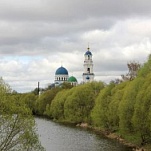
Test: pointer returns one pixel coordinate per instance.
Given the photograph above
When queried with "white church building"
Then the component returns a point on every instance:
(61, 74)
(88, 75)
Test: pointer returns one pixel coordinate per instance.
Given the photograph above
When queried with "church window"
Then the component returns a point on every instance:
(88, 70)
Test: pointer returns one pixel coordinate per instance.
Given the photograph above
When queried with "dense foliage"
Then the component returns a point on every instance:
(72, 104)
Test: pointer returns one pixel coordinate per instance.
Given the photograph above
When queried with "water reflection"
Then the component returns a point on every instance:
(56, 137)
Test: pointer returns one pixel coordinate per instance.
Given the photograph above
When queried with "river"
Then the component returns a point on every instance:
(59, 137)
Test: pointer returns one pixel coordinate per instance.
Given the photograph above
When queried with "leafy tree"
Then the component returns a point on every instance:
(17, 127)
(56, 109)
(126, 107)
(18, 133)
(66, 85)
(146, 68)
(141, 119)
(30, 100)
(100, 111)
(44, 99)
(113, 112)
(79, 104)
(96, 87)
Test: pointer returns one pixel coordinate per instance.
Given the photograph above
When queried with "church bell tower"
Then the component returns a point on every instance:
(88, 75)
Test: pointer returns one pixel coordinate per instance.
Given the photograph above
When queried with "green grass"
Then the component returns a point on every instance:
(131, 137)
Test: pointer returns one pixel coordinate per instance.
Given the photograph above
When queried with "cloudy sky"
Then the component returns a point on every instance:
(37, 36)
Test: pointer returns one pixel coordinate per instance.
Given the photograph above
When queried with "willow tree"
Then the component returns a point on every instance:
(113, 108)
(141, 118)
(45, 99)
(56, 109)
(146, 68)
(78, 105)
(30, 100)
(126, 107)
(17, 126)
(100, 111)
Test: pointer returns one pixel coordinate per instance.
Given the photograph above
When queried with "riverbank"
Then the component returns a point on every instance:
(115, 136)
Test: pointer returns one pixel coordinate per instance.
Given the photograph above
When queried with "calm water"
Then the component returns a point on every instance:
(56, 137)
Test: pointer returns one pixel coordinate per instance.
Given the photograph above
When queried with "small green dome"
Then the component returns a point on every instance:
(72, 79)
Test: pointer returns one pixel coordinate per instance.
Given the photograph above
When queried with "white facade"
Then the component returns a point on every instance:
(61, 78)
(88, 75)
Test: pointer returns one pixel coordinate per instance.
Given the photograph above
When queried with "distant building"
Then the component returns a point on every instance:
(88, 75)
(61, 74)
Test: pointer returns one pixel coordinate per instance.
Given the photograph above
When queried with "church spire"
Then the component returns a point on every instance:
(88, 74)
(88, 47)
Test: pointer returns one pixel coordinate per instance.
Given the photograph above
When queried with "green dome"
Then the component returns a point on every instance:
(72, 79)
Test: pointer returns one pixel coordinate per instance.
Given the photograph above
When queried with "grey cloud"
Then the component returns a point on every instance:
(111, 65)
(42, 36)
(67, 10)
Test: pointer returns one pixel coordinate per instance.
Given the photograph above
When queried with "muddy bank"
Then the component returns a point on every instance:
(113, 136)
